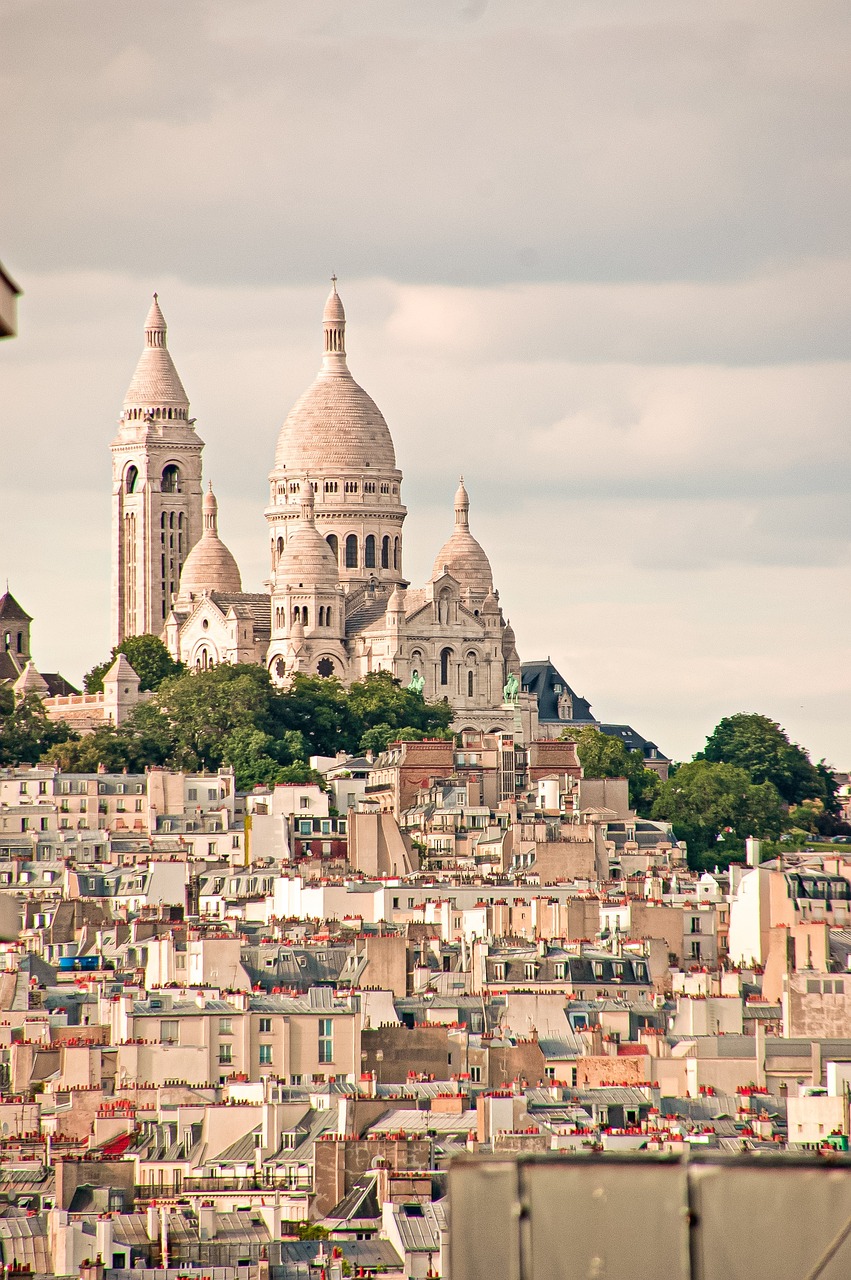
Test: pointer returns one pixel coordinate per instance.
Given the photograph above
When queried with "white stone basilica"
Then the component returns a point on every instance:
(338, 602)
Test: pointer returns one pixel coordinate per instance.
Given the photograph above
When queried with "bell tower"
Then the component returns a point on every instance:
(156, 489)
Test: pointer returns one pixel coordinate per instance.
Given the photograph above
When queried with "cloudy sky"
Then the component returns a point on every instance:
(594, 254)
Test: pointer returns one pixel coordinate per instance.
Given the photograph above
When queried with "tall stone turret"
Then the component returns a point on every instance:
(156, 489)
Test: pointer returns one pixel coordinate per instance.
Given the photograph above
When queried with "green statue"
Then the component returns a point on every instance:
(417, 682)
(511, 692)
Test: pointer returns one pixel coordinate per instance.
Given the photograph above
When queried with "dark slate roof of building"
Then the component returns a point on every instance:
(540, 678)
(9, 668)
(633, 741)
(11, 611)
(57, 685)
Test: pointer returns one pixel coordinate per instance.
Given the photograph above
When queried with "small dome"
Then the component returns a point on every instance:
(307, 559)
(491, 604)
(462, 555)
(465, 559)
(209, 565)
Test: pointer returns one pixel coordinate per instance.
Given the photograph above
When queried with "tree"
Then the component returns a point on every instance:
(202, 709)
(707, 801)
(142, 741)
(256, 760)
(760, 747)
(371, 713)
(26, 732)
(148, 657)
(604, 756)
(318, 708)
(379, 699)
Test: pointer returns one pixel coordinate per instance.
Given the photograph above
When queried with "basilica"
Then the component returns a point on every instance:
(337, 601)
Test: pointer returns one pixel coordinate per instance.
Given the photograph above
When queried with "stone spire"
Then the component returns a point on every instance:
(156, 385)
(462, 507)
(211, 511)
(155, 326)
(334, 331)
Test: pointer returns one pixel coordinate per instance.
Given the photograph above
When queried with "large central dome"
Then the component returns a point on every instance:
(335, 425)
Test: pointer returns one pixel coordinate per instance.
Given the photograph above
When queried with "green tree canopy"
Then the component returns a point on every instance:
(203, 709)
(705, 800)
(148, 657)
(26, 732)
(604, 756)
(760, 747)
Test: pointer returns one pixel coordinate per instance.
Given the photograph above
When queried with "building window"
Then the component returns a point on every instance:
(445, 655)
(385, 553)
(225, 1055)
(695, 950)
(265, 1055)
(475, 1075)
(333, 544)
(225, 1026)
(351, 551)
(326, 1040)
(169, 1031)
(304, 802)
(369, 552)
(265, 1026)
(130, 478)
(170, 482)
(531, 971)
(469, 684)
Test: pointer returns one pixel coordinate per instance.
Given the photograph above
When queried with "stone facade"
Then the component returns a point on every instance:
(338, 601)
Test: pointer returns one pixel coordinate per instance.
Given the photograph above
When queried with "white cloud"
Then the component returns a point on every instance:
(595, 255)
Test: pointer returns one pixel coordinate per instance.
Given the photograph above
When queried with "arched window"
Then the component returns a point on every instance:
(395, 553)
(280, 547)
(369, 552)
(304, 616)
(131, 475)
(385, 553)
(296, 614)
(170, 482)
(322, 615)
(469, 684)
(352, 551)
(328, 615)
(445, 655)
(334, 545)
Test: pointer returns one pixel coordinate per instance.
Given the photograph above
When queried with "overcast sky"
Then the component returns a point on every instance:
(595, 255)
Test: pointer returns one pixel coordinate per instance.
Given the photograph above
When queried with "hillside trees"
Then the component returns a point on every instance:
(604, 756)
(148, 657)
